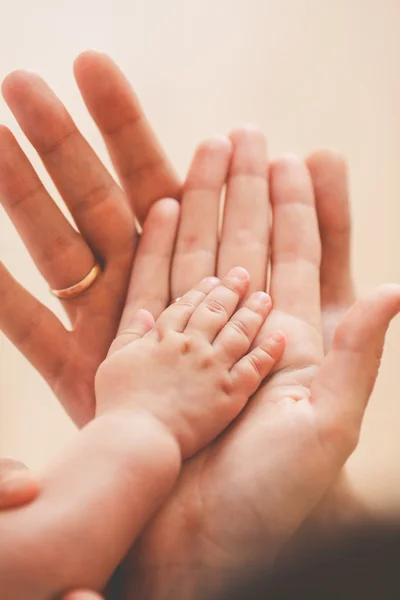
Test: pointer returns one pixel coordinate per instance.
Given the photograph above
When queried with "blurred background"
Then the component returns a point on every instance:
(310, 73)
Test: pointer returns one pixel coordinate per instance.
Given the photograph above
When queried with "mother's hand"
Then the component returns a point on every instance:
(248, 492)
(103, 212)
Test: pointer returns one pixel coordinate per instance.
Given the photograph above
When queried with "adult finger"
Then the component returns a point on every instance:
(143, 168)
(94, 199)
(59, 252)
(344, 383)
(150, 278)
(296, 245)
(197, 243)
(330, 182)
(246, 222)
(32, 328)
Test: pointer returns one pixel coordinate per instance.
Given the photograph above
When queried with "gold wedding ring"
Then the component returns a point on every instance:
(76, 290)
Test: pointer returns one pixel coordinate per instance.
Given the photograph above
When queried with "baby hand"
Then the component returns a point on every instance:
(18, 485)
(189, 370)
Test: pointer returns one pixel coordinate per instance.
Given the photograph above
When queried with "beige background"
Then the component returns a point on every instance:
(311, 73)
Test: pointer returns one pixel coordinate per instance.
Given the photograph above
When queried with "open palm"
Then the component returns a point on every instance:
(246, 494)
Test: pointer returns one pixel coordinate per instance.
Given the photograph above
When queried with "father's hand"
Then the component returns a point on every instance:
(103, 212)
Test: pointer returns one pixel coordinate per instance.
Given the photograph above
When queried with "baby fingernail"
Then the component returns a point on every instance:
(262, 298)
(239, 273)
(277, 337)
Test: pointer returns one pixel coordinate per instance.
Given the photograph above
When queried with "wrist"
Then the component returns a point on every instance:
(140, 439)
(342, 508)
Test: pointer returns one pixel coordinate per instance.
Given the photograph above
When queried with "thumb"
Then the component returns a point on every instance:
(141, 323)
(345, 381)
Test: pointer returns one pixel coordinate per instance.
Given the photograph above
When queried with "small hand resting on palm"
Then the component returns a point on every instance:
(188, 370)
(166, 389)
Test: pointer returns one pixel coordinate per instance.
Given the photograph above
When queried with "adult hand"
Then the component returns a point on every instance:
(246, 494)
(341, 506)
(103, 213)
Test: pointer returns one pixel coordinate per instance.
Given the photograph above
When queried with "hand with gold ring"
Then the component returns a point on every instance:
(241, 161)
(88, 269)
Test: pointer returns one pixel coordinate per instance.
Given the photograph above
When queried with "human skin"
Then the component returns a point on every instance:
(19, 486)
(284, 453)
(165, 391)
(244, 156)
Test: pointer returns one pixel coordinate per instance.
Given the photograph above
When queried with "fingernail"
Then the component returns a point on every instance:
(277, 337)
(239, 273)
(212, 281)
(262, 298)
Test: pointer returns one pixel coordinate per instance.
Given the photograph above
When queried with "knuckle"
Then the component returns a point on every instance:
(186, 302)
(24, 201)
(161, 332)
(266, 354)
(206, 362)
(214, 306)
(95, 197)
(256, 364)
(62, 246)
(57, 143)
(32, 326)
(341, 433)
(226, 384)
(240, 328)
(185, 345)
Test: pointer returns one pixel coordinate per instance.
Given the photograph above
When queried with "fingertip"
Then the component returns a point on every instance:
(209, 283)
(245, 133)
(326, 161)
(162, 217)
(91, 63)
(7, 137)
(145, 318)
(209, 167)
(278, 337)
(167, 207)
(18, 81)
(389, 290)
(220, 144)
(275, 345)
(239, 273)
(18, 488)
(261, 299)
